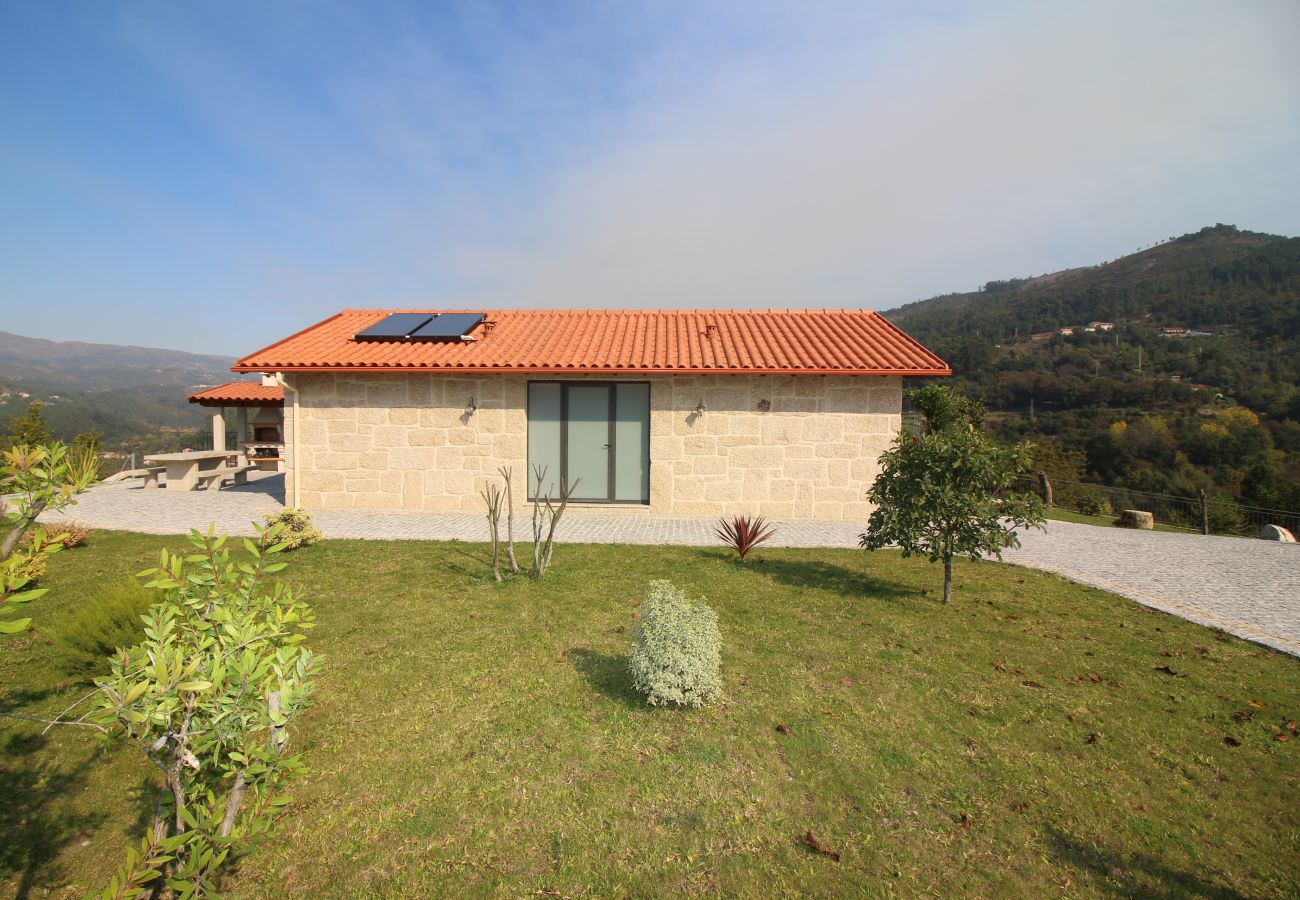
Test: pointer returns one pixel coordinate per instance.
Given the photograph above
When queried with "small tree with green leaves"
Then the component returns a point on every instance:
(945, 493)
(37, 479)
(207, 697)
(30, 429)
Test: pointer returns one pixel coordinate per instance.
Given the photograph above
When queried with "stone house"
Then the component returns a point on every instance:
(780, 413)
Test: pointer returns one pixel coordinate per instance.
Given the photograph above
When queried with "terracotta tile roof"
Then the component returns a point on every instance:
(791, 342)
(240, 393)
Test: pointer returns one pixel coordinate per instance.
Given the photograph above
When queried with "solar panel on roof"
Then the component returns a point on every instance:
(394, 327)
(447, 327)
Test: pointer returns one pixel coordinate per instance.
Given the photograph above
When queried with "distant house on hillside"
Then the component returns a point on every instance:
(1040, 336)
(1065, 332)
(1101, 326)
(1173, 331)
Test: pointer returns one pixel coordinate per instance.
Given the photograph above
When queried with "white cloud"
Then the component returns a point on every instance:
(945, 156)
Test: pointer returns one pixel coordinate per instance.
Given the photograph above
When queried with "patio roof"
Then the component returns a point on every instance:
(240, 393)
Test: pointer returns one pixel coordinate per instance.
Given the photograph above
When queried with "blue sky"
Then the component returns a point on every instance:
(213, 176)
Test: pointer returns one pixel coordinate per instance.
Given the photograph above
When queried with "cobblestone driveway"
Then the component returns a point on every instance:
(1250, 588)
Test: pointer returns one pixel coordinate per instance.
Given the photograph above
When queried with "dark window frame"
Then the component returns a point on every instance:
(612, 416)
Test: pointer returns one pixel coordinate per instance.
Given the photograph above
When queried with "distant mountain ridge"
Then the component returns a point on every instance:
(123, 391)
(85, 365)
(1219, 276)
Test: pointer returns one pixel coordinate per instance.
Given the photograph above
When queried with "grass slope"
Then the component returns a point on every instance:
(474, 738)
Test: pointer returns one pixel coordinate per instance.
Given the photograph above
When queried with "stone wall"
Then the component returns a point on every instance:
(783, 446)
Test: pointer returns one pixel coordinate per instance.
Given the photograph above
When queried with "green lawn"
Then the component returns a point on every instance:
(473, 738)
(1069, 515)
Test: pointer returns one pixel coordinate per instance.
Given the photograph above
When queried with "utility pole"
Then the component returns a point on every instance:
(1031, 409)
(1139, 359)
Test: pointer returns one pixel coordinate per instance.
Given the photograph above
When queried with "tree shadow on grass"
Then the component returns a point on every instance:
(34, 831)
(815, 574)
(13, 701)
(607, 674)
(1107, 866)
(482, 560)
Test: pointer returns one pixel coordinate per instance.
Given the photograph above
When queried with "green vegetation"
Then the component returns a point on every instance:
(107, 619)
(1142, 410)
(949, 491)
(34, 479)
(208, 698)
(293, 528)
(676, 653)
(474, 738)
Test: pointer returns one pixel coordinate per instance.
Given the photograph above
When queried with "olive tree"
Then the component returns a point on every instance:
(947, 492)
(207, 697)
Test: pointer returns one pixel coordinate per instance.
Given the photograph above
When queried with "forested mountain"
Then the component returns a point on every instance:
(1172, 369)
(127, 393)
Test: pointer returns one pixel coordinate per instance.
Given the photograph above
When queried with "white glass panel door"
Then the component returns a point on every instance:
(544, 438)
(632, 443)
(588, 441)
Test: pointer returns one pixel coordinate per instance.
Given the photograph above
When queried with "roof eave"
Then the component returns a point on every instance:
(590, 370)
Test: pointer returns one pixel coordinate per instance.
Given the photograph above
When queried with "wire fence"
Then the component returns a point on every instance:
(1208, 515)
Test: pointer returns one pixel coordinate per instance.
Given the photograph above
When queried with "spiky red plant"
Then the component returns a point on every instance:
(744, 533)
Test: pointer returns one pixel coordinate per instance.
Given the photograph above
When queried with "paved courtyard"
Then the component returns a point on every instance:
(1250, 588)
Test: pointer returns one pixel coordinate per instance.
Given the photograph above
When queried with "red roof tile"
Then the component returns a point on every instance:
(791, 342)
(240, 393)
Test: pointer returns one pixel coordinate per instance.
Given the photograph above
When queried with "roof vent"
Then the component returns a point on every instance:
(401, 327)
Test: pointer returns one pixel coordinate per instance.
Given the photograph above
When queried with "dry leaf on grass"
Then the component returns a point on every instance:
(818, 847)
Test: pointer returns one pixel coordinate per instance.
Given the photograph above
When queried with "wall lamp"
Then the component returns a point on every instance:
(470, 407)
(701, 409)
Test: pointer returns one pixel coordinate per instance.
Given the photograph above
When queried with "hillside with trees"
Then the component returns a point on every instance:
(133, 397)
(1173, 369)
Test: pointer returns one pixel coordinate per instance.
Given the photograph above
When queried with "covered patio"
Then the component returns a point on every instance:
(259, 420)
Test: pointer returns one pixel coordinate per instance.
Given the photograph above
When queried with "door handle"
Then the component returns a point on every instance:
(607, 446)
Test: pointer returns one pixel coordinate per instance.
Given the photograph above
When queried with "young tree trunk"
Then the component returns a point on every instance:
(16, 533)
(947, 579)
(233, 802)
(507, 473)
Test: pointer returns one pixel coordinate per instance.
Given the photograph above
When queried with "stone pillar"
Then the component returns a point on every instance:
(218, 429)
(241, 432)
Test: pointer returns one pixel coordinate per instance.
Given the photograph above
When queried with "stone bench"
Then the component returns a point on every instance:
(148, 475)
(207, 479)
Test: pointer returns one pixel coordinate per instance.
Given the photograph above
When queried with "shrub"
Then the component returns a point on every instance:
(108, 620)
(33, 568)
(743, 533)
(69, 534)
(293, 528)
(676, 652)
(1094, 503)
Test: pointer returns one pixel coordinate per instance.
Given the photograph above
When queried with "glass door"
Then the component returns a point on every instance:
(589, 441)
(594, 433)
